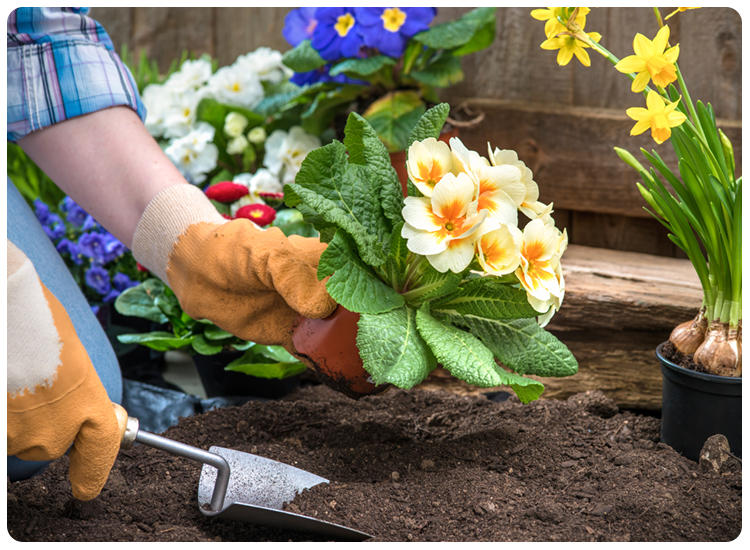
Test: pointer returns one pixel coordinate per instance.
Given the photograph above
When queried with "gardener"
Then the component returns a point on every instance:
(74, 109)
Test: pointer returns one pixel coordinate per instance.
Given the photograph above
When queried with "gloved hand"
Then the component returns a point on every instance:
(55, 397)
(246, 280)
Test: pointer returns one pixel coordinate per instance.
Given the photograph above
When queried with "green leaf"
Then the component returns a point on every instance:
(211, 111)
(444, 71)
(459, 32)
(353, 284)
(203, 346)
(356, 68)
(481, 40)
(469, 359)
(432, 284)
(392, 350)
(213, 332)
(431, 123)
(293, 95)
(483, 297)
(303, 58)
(394, 116)
(139, 301)
(291, 222)
(158, 340)
(326, 105)
(522, 345)
(277, 353)
(395, 266)
(249, 364)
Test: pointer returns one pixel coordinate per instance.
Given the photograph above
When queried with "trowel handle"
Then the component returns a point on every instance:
(131, 434)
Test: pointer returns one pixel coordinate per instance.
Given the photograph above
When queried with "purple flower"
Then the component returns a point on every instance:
(337, 33)
(111, 297)
(90, 224)
(54, 226)
(299, 25)
(322, 75)
(389, 29)
(41, 211)
(66, 246)
(112, 247)
(94, 310)
(75, 215)
(98, 278)
(93, 245)
(122, 282)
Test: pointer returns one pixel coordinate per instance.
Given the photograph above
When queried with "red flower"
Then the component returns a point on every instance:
(227, 217)
(271, 196)
(226, 191)
(261, 214)
(141, 267)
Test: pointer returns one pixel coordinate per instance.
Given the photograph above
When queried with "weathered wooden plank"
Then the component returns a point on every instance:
(571, 151)
(242, 30)
(118, 22)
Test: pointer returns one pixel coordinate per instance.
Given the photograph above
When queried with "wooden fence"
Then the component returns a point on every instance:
(563, 121)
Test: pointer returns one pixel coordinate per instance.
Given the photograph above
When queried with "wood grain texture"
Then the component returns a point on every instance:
(242, 30)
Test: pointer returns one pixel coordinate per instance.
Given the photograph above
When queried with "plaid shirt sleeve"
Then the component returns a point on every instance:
(61, 64)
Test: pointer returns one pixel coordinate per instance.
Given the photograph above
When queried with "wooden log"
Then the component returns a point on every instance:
(618, 307)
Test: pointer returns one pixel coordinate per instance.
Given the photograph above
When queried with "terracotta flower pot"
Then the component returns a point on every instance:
(331, 345)
(398, 159)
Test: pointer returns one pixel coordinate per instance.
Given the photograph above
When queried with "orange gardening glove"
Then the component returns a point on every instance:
(246, 280)
(55, 397)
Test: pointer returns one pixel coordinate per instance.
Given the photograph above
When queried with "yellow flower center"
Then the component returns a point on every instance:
(344, 24)
(236, 87)
(393, 19)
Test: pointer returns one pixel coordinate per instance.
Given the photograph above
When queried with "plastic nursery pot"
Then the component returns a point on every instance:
(331, 345)
(398, 159)
(226, 383)
(696, 406)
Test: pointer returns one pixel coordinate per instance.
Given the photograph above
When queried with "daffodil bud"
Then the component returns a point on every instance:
(629, 159)
(257, 135)
(235, 124)
(649, 199)
(726, 146)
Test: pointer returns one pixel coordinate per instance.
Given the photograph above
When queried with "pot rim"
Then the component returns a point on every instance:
(703, 377)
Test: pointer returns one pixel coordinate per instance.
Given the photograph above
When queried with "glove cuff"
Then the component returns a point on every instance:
(165, 219)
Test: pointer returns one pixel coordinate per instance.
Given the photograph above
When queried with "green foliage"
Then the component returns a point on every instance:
(303, 58)
(393, 117)
(468, 31)
(266, 362)
(30, 180)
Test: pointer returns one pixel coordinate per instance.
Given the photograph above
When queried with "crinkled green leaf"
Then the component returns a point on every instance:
(431, 123)
(353, 284)
(326, 105)
(356, 67)
(469, 359)
(392, 350)
(433, 284)
(158, 340)
(459, 32)
(395, 265)
(303, 58)
(522, 345)
(394, 116)
(139, 301)
(487, 298)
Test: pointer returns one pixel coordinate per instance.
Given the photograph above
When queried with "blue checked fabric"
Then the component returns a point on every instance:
(61, 64)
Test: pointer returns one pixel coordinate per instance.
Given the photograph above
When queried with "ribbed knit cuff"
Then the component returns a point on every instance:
(166, 217)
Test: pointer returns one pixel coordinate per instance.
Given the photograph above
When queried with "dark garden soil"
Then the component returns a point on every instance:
(412, 466)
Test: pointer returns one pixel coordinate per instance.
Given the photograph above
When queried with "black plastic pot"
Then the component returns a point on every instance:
(696, 406)
(222, 383)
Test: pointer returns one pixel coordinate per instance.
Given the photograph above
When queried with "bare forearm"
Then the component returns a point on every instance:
(108, 163)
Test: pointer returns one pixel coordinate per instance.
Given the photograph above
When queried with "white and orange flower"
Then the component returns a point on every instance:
(427, 162)
(498, 248)
(541, 249)
(530, 204)
(442, 227)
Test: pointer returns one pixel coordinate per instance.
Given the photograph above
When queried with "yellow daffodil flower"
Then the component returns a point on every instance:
(540, 252)
(499, 188)
(497, 247)
(442, 227)
(570, 46)
(428, 161)
(661, 117)
(678, 10)
(651, 61)
(552, 16)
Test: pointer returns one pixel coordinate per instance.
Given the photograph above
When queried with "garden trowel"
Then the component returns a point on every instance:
(242, 486)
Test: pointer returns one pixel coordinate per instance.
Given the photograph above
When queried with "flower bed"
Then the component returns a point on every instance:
(412, 466)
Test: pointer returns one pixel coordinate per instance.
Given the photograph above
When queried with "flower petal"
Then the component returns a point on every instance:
(631, 64)
(642, 46)
(455, 258)
(418, 213)
(424, 242)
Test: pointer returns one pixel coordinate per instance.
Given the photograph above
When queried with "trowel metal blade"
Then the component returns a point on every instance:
(258, 488)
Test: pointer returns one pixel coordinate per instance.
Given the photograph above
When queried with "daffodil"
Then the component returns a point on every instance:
(497, 247)
(499, 188)
(554, 18)
(441, 227)
(428, 161)
(660, 117)
(540, 253)
(570, 46)
(652, 61)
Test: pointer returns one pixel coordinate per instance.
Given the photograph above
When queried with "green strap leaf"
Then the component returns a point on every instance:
(469, 359)
(392, 350)
(486, 298)
(353, 284)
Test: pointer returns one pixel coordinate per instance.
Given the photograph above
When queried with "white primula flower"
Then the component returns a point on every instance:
(428, 161)
(444, 227)
(257, 135)
(262, 181)
(285, 152)
(266, 63)
(179, 118)
(193, 74)
(541, 249)
(234, 124)
(530, 206)
(498, 247)
(234, 85)
(157, 99)
(194, 155)
(237, 145)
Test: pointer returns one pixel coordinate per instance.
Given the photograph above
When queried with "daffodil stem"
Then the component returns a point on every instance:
(689, 101)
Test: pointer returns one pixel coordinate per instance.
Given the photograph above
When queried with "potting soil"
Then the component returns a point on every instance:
(411, 466)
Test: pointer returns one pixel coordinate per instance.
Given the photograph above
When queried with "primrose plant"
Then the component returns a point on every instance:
(443, 276)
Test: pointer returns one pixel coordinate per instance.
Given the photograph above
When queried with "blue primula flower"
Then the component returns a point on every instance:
(122, 282)
(336, 34)
(54, 226)
(66, 246)
(93, 245)
(75, 215)
(113, 248)
(41, 211)
(322, 75)
(299, 25)
(389, 29)
(90, 224)
(98, 278)
(111, 296)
